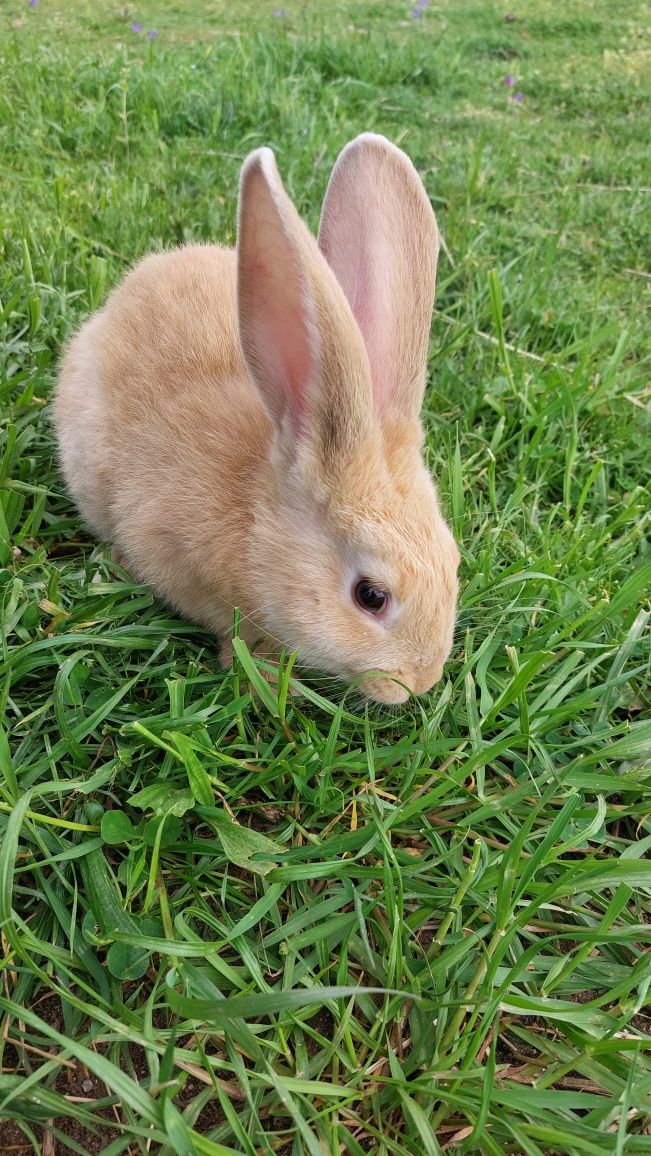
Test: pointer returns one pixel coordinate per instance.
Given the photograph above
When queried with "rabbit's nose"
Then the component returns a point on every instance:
(424, 680)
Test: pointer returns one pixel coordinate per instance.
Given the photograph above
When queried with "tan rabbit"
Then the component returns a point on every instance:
(244, 427)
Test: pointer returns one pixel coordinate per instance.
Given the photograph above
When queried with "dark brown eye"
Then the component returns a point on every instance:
(370, 596)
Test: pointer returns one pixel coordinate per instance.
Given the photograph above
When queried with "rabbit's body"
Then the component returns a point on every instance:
(244, 427)
(164, 440)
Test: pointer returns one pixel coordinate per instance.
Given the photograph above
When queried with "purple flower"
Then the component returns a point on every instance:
(32, 3)
(418, 9)
(152, 34)
(509, 80)
(518, 96)
(136, 26)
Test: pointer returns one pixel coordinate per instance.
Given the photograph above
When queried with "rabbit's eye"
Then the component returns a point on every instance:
(370, 596)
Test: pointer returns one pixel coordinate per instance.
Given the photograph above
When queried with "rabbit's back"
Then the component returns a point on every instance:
(172, 321)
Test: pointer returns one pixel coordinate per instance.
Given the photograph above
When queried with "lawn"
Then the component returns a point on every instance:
(235, 920)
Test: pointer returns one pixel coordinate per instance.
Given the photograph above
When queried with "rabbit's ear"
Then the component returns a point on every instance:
(378, 233)
(276, 313)
(296, 329)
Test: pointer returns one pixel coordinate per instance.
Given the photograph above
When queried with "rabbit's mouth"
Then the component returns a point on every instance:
(386, 689)
(394, 689)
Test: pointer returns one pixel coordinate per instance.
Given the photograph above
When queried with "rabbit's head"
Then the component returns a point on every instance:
(351, 561)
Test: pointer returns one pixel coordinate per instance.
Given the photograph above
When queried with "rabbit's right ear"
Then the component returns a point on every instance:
(378, 233)
(296, 329)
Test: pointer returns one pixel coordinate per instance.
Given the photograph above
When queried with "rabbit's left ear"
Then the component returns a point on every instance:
(298, 336)
(378, 233)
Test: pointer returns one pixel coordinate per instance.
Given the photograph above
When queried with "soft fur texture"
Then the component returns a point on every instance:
(244, 427)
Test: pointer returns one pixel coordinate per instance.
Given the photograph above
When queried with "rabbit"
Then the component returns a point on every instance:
(244, 427)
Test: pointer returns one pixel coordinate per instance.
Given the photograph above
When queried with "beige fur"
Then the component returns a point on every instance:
(228, 424)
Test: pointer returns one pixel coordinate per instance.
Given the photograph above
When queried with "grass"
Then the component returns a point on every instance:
(239, 922)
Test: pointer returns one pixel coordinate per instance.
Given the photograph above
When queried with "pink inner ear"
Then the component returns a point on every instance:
(366, 278)
(280, 333)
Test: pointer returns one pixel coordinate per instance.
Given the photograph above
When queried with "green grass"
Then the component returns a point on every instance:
(171, 981)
